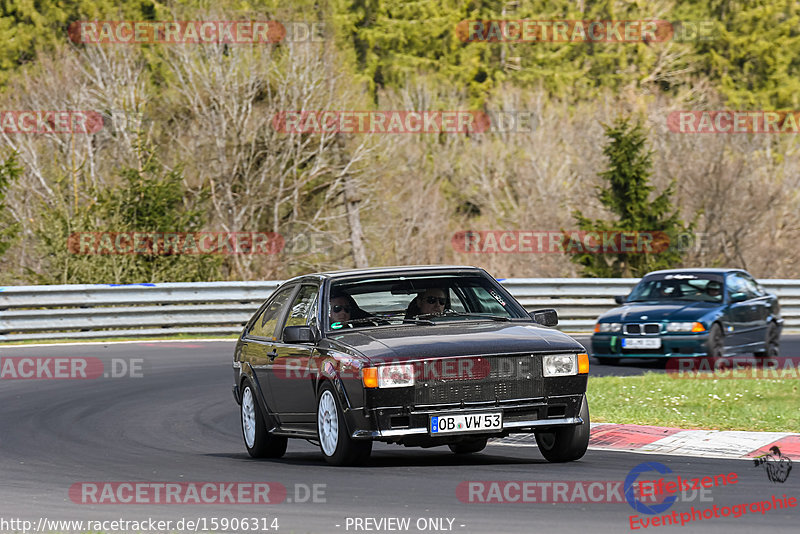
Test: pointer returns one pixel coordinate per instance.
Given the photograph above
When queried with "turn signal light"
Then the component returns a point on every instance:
(369, 377)
(583, 364)
(698, 327)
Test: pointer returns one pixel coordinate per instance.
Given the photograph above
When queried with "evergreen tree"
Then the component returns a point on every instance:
(9, 172)
(628, 196)
(150, 199)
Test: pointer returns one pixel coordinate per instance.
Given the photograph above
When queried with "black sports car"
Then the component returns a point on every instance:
(418, 356)
(690, 312)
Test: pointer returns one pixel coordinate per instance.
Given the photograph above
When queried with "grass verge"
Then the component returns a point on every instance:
(733, 404)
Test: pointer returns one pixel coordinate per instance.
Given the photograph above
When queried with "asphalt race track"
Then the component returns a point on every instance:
(176, 421)
(790, 347)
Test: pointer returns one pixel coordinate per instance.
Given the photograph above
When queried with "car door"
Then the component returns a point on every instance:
(259, 341)
(292, 374)
(760, 309)
(742, 315)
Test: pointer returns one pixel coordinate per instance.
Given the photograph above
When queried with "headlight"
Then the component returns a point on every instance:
(607, 327)
(396, 376)
(685, 327)
(560, 364)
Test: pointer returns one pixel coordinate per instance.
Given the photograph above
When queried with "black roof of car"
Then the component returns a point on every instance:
(415, 269)
(709, 270)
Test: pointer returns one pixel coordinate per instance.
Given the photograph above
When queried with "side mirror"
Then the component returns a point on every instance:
(738, 297)
(300, 334)
(545, 317)
(620, 299)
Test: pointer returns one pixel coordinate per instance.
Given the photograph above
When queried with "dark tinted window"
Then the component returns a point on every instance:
(301, 308)
(738, 283)
(753, 286)
(265, 325)
(395, 300)
(698, 287)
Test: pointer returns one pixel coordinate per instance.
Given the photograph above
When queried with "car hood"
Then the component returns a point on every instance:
(659, 311)
(456, 339)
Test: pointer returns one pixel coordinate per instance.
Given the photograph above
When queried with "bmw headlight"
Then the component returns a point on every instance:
(560, 364)
(607, 327)
(686, 327)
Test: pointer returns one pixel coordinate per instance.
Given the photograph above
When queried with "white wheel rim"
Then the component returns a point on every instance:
(249, 417)
(328, 423)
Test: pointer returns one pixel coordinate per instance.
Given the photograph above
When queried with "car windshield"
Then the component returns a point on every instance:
(428, 300)
(691, 287)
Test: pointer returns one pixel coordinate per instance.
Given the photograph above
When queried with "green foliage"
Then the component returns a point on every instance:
(628, 196)
(755, 56)
(27, 27)
(9, 172)
(150, 200)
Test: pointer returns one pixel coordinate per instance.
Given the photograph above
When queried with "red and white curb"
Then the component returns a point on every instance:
(679, 442)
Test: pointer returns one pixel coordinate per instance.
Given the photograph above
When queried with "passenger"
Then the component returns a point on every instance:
(434, 301)
(714, 290)
(668, 291)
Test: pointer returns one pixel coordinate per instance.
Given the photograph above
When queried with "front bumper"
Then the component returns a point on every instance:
(607, 345)
(519, 416)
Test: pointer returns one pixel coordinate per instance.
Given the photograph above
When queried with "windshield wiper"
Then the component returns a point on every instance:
(453, 313)
(416, 319)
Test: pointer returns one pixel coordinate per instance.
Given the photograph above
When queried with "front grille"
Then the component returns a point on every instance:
(491, 378)
(643, 328)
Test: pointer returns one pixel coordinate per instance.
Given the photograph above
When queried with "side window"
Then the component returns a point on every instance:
(753, 287)
(301, 308)
(265, 325)
(737, 284)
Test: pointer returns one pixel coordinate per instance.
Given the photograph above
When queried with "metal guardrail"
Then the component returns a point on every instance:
(222, 308)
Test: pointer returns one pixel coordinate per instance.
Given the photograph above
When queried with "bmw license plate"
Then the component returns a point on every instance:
(641, 343)
(468, 422)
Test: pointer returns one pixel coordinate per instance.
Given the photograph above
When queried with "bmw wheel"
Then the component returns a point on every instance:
(716, 343)
(771, 343)
(337, 446)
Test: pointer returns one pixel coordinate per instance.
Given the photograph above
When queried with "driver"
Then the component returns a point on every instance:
(343, 308)
(433, 301)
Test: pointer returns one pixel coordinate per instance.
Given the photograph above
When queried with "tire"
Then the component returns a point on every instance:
(566, 444)
(771, 343)
(259, 442)
(716, 344)
(468, 447)
(607, 361)
(336, 445)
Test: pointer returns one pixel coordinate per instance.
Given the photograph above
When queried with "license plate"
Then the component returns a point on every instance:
(643, 343)
(468, 422)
